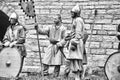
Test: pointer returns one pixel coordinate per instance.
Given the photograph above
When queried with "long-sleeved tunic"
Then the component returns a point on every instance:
(76, 46)
(16, 33)
(54, 53)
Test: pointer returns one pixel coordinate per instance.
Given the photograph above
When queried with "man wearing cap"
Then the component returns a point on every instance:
(15, 34)
(76, 44)
(54, 54)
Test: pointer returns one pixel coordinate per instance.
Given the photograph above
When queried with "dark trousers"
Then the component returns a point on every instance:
(56, 70)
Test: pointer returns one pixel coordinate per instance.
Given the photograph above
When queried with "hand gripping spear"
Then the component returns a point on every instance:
(39, 48)
(30, 11)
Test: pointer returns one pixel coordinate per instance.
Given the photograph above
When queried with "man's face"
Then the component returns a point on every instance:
(13, 21)
(56, 20)
(72, 14)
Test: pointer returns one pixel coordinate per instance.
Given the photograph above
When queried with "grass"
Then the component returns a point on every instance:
(39, 77)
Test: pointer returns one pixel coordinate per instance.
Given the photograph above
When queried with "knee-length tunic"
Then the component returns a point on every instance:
(76, 56)
(16, 33)
(54, 53)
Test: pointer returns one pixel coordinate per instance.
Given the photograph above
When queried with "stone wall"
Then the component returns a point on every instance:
(106, 21)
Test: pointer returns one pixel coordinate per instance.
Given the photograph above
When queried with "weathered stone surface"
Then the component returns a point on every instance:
(107, 45)
(44, 11)
(53, 11)
(91, 32)
(41, 18)
(112, 32)
(89, 7)
(101, 32)
(20, 12)
(87, 26)
(34, 36)
(94, 44)
(116, 21)
(96, 38)
(115, 45)
(102, 6)
(111, 51)
(107, 16)
(67, 21)
(31, 69)
(97, 60)
(34, 54)
(104, 21)
(109, 27)
(98, 27)
(109, 38)
(102, 11)
(88, 21)
(33, 42)
(98, 51)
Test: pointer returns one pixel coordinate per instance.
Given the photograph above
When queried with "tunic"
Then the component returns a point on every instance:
(16, 34)
(76, 45)
(54, 53)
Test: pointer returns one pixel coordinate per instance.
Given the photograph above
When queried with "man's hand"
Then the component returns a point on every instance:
(70, 36)
(53, 41)
(67, 38)
(12, 44)
(6, 44)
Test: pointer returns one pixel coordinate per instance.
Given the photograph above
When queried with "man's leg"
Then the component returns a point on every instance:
(56, 70)
(67, 69)
(45, 70)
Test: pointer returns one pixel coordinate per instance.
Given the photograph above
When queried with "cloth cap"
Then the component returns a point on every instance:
(14, 15)
(76, 9)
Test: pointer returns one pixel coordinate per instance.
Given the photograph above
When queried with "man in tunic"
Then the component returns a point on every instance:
(54, 54)
(76, 44)
(118, 36)
(15, 35)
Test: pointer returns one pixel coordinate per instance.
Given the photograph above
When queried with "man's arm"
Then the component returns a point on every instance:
(22, 36)
(79, 28)
(43, 31)
(63, 41)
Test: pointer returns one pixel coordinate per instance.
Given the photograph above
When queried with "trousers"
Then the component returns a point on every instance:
(56, 69)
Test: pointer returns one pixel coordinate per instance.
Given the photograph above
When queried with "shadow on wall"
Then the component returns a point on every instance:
(5, 11)
(4, 23)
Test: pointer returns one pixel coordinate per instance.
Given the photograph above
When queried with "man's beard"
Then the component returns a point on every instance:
(56, 22)
(73, 17)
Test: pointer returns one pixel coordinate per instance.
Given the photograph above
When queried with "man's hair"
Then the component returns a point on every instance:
(59, 17)
(118, 29)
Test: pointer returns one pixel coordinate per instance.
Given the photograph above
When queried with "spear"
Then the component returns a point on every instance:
(95, 13)
(39, 48)
(30, 11)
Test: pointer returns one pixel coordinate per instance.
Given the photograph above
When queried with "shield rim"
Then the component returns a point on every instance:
(21, 65)
(107, 61)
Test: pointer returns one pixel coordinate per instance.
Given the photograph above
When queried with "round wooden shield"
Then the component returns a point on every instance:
(10, 62)
(112, 66)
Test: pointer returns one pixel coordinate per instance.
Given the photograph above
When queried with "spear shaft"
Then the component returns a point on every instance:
(39, 49)
(95, 13)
